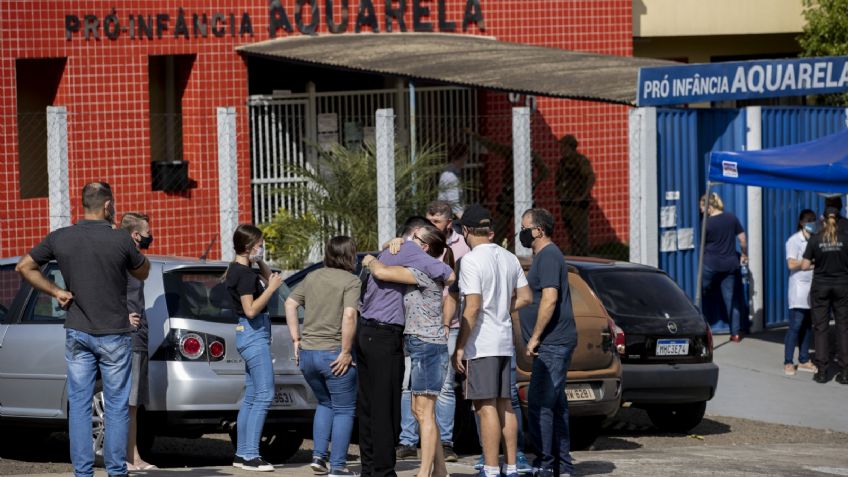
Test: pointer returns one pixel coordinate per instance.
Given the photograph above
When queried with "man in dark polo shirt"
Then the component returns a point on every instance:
(94, 259)
(547, 325)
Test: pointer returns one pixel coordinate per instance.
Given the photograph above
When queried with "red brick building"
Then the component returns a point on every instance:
(125, 71)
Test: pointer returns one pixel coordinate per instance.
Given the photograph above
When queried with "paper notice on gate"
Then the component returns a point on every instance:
(328, 123)
(668, 241)
(668, 216)
(686, 239)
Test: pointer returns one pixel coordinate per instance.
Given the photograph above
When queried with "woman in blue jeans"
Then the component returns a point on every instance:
(250, 293)
(426, 341)
(323, 350)
(722, 262)
(799, 333)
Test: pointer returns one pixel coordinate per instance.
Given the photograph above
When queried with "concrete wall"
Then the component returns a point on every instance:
(663, 18)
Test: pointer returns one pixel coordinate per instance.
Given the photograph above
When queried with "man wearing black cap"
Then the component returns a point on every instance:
(492, 285)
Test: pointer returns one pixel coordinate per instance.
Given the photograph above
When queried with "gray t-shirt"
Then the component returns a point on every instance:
(324, 294)
(135, 304)
(94, 259)
(423, 305)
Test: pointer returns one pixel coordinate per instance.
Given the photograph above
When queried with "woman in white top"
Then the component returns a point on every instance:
(799, 333)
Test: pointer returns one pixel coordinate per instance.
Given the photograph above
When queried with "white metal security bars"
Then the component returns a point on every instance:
(283, 128)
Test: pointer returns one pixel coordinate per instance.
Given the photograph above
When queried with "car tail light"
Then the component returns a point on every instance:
(191, 346)
(216, 349)
(618, 338)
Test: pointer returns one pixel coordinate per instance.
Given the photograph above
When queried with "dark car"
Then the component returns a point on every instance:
(667, 354)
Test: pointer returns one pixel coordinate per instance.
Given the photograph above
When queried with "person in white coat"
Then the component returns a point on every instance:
(799, 333)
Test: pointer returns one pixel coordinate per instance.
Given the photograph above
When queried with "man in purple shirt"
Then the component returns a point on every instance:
(379, 356)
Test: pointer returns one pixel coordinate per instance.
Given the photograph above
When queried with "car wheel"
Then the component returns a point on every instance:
(98, 425)
(584, 431)
(677, 417)
(276, 445)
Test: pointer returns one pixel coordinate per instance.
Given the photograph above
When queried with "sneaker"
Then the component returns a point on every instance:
(406, 452)
(736, 338)
(450, 455)
(318, 465)
(479, 464)
(258, 465)
(820, 377)
(842, 377)
(808, 367)
(342, 472)
(238, 461)
(523, 466)
(789, 369)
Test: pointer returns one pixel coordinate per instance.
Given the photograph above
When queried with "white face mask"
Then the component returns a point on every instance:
(259, 252)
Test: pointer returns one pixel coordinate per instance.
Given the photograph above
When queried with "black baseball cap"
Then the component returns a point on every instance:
(476, 216)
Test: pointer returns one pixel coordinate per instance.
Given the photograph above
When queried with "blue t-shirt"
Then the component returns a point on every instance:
(549, 270)
(720, 248)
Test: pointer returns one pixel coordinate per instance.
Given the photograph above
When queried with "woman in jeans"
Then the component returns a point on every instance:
(250, 293)
(323, 350)
(426, 341)
(722, 262)
(799, 333)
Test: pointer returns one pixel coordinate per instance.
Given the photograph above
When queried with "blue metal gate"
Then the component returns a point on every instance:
(685, 138)
(781, 127)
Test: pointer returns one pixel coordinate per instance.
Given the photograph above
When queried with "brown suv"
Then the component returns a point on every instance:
(594, 377)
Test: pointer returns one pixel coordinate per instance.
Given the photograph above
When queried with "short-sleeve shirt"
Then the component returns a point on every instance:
(243, 280)
(457, 244)
(423, 304)
(798, 293)
(720, 247)
(94, 259)
(324, 294)
(135, 304)
(383, 301)
(549, 270)
(494, 273)
(830, 259)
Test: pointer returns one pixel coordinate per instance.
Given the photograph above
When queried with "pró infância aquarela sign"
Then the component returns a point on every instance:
(307, 16)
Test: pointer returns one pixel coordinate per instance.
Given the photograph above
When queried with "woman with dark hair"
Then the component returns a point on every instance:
(828, 250)
(425, 340)
(250, 293)
(324, 350)
(799, 332)
(722, 262)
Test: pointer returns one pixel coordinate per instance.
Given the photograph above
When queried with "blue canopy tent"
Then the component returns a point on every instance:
(818, 166)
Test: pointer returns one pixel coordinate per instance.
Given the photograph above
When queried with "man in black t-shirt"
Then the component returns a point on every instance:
(551, 334)
(94, 259)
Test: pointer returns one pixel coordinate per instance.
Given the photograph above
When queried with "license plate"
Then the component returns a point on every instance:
(672, 347)
(283, 398)
(579, 392)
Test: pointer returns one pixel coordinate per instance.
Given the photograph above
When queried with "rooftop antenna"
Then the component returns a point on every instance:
(208, 248)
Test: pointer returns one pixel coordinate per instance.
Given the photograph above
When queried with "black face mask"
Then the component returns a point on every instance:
(145, 242)
(526, 238)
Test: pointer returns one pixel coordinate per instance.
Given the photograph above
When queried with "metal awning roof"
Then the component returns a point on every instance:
(467, 60)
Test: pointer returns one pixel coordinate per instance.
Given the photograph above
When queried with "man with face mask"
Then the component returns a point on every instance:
(94, 260)
(138, 226)
(547, 324)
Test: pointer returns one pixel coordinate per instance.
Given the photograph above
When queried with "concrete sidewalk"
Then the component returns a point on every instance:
(752, 385)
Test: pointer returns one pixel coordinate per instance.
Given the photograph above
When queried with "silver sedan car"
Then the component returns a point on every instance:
(196, 375)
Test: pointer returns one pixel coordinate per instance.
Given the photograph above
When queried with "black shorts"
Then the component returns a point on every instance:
(488, 378)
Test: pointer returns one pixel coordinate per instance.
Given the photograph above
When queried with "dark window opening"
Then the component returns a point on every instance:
(168, 77)
(37, 82)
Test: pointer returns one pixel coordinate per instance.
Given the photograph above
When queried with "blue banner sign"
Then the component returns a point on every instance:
(741, 80)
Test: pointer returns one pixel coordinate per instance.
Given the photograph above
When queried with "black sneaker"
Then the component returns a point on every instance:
(820, 376)
(342, 472)
(238, 461)
(842, 377)
(318, 465)
(258, 465)
(406, 452)
(450, 455)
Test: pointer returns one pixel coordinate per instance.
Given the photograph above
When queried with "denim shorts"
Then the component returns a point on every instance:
(429, 365)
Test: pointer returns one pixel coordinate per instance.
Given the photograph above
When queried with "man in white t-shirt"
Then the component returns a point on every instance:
(493, 286)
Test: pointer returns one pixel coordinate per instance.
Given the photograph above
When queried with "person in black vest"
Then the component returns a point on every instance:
(828, 251)
(94, 259)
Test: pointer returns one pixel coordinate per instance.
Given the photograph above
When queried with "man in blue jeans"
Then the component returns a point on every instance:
(94, 259)
(547, 324)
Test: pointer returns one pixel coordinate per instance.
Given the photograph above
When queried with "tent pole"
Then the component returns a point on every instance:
(700, 279)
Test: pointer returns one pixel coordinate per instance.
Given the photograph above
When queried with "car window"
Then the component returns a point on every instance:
(10, 282)
(201, 295)
(45, 308)
(640, 293)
